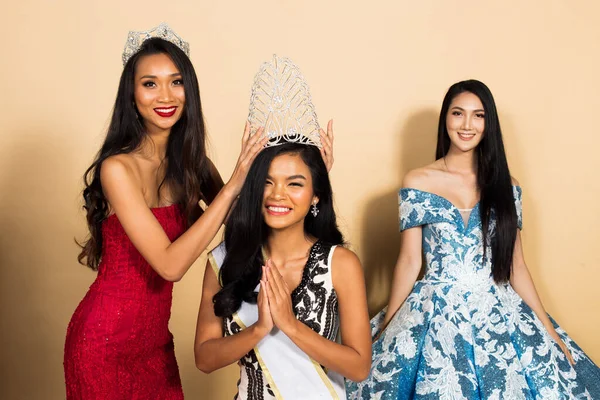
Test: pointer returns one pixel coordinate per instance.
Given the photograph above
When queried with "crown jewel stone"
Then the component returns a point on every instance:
(280, 101)
(135, 40)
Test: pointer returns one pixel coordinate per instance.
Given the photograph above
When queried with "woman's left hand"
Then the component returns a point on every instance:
(280, 300)
(327, 145)
(562, 345)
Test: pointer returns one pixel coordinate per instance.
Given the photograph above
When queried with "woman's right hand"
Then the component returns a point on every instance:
(251, 146)
(554, 335)
(265, 321)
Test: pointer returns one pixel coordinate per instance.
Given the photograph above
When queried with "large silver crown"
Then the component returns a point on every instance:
(281, 102)
(163, 31)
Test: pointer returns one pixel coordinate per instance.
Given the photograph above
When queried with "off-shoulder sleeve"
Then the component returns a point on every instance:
(421, 208)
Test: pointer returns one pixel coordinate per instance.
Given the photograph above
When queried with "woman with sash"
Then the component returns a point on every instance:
(280, 287)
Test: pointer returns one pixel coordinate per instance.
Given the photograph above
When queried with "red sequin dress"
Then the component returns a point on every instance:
(118, 342)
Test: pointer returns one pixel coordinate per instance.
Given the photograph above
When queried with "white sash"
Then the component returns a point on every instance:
(288, 370)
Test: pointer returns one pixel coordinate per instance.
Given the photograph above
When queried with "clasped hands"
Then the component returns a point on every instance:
(275, 302)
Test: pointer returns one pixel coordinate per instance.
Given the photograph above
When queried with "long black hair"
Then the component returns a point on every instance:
(493, 178)
(246, 231)
(187, 167)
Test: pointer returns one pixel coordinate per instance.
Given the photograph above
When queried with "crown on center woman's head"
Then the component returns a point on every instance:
(281, 102)
(135, 40)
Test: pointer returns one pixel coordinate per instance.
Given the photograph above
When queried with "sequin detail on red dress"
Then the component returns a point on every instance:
(118, 343)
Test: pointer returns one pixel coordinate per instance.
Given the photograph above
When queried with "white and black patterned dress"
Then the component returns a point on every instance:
(315, 304)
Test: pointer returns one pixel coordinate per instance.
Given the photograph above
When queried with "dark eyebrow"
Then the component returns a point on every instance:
(154, 76)
(290, 178)
(462, 109)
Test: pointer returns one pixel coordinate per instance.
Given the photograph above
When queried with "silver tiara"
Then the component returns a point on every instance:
(163, 31)
(281, 102)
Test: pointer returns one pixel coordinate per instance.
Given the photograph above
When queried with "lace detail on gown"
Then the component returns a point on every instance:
(459, 335)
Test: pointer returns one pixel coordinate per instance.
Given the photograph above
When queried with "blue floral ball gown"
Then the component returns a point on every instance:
(460, 335)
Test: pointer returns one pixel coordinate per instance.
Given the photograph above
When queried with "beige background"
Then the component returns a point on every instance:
(380, 70)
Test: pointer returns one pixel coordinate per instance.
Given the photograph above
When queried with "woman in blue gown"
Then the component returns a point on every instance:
(474, 327)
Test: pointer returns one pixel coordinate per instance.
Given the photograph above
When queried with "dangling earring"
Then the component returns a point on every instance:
(314, 210)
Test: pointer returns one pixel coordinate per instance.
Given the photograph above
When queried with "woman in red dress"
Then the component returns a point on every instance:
(142, 197)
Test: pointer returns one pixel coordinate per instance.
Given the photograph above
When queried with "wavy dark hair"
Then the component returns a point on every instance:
(493, 178)
(246, 231)
(187, 167)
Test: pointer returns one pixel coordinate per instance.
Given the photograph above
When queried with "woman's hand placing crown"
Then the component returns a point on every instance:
(327, 145)
(251, 146)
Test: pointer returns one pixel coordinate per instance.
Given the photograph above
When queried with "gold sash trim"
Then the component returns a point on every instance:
(238, 321)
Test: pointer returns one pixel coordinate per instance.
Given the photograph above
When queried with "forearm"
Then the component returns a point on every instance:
(340, 358)
(405, 276)
(184, 251)
(522, 283)
(214, 354)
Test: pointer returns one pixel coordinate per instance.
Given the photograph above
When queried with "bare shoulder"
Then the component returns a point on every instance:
(514, 181)
(344, 256)
(345, 268)
(415, 179)
(119, 169)
(422, 178)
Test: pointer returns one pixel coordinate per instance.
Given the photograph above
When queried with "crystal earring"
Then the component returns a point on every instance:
(314, 210)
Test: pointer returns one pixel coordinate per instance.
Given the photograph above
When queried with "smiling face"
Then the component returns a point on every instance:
(465, 121)
(288, 192)
(159, 94)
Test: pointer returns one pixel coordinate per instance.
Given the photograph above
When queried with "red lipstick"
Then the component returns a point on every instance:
(166, 112)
